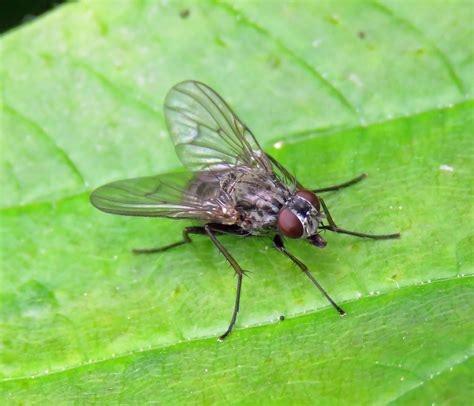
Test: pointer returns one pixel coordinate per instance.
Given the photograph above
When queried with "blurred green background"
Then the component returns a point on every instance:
(332, 89)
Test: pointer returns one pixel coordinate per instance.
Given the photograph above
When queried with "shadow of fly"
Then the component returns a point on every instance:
(231, 187)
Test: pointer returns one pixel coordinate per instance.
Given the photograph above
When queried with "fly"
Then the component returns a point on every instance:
(231, 186)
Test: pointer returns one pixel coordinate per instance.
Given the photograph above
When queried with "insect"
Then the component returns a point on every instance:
(231, 186)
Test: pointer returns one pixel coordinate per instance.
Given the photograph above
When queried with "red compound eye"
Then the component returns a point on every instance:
(310, 197)
(289, 224)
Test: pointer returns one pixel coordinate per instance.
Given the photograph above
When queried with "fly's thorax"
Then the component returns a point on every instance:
(306, 213)
(259, 198)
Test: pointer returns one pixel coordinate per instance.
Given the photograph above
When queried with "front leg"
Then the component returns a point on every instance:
(280, 246)
(334, 228)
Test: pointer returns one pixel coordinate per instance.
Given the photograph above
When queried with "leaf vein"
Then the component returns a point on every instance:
(45, 136)
(300, 60)
(440, 54)
(116, 89)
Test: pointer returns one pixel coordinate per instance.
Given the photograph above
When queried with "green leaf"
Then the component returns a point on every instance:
(331, 89)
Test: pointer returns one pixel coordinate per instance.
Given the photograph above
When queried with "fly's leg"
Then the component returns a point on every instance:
(211, 230)
(334, 228)
(239, 272)
(324, 189)
(186, 239)
(341, 185)
(278, 242)
(217, 228)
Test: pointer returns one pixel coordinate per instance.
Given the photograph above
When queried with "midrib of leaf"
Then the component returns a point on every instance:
(300, 136)
(290, 139)
(237, 329)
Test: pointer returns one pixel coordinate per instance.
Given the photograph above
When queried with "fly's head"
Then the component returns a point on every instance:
(300, 217)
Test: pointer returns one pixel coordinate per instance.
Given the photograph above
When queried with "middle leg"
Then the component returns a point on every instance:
(324, 189)
(341, 185)
(239, 272)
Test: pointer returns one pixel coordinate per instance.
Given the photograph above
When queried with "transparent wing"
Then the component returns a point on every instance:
(283, 174)
(206, 133)
(178, 195)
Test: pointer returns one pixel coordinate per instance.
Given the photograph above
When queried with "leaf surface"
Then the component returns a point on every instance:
(331, 90)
